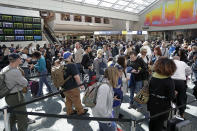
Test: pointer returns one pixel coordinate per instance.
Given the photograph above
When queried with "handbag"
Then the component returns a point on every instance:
(142, 96)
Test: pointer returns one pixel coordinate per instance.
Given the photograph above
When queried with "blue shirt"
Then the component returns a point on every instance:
(41, 65)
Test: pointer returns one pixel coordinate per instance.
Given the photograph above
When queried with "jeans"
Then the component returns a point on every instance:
(136, 88)
(107, 126)
(43, 79)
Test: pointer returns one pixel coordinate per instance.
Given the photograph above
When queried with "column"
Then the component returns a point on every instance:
(82, 18)
(102, 20)
(128, 36)
(93, 19)
(71, 17)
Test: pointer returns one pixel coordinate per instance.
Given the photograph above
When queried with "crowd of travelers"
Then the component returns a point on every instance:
(120, 66)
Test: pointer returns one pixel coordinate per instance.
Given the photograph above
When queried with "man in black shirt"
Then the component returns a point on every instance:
(140, 72)
(73, 92)
(87, 60)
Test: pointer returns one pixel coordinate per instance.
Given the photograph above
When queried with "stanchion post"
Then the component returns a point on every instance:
(133, 125)
(6, 119)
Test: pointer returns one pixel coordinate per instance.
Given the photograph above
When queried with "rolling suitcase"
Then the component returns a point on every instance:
(185, 125)
(171, 124)
(34, 86)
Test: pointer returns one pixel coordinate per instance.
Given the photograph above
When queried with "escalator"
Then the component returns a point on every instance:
(50, 35)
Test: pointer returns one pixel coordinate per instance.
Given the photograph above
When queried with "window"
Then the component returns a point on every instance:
(65, 17)
(1, 24)
(88, 19)
(77, 18)
(97, 20)
(106, 20)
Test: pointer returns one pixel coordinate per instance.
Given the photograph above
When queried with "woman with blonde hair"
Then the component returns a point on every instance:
(105, 97)
(99, 64)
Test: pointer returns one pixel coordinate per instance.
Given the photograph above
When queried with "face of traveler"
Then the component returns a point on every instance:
(77, 46)
(18, 61)
(133, 57)
(155, 52)
(89, 49)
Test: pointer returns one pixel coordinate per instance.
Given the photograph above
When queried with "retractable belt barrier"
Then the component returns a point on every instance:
(11, 109)
(162, 113)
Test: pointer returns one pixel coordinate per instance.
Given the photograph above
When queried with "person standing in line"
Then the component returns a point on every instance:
(161, 91)
(86, 60)
(25, 61)
(97, 64)
(164, 50)
(105, 97)
(41, 68)
(15, 81)
(139, 72)
(179, 77)
(73, 92)
(78, 52)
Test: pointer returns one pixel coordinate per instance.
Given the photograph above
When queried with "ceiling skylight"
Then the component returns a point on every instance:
(134, 6)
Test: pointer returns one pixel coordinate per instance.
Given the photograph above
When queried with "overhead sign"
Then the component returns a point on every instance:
(120, 32)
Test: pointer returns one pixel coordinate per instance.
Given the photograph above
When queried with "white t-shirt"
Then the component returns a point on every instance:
(24, 57)
(180, 73)
(30, 50)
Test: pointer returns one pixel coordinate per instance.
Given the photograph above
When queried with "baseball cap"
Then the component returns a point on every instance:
(67, 54)
(13, 56)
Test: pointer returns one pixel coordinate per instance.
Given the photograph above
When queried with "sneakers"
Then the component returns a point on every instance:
(132, 106)
(73, 113)
(139, 109)
(30, 121)
(120, 116)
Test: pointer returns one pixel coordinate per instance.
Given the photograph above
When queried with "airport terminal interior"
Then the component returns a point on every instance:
(98, 65)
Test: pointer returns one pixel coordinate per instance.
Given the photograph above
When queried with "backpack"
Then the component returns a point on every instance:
(102, 67)
(57, 76)
(4, 90)
(89, 99)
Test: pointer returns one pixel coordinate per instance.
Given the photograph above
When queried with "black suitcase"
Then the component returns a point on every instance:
(34, 86)
(171, 124)
(185, 125)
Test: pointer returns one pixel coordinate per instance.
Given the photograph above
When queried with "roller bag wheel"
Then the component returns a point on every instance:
(34, 86)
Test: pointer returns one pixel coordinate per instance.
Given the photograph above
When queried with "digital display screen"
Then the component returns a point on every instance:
(20, 28)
